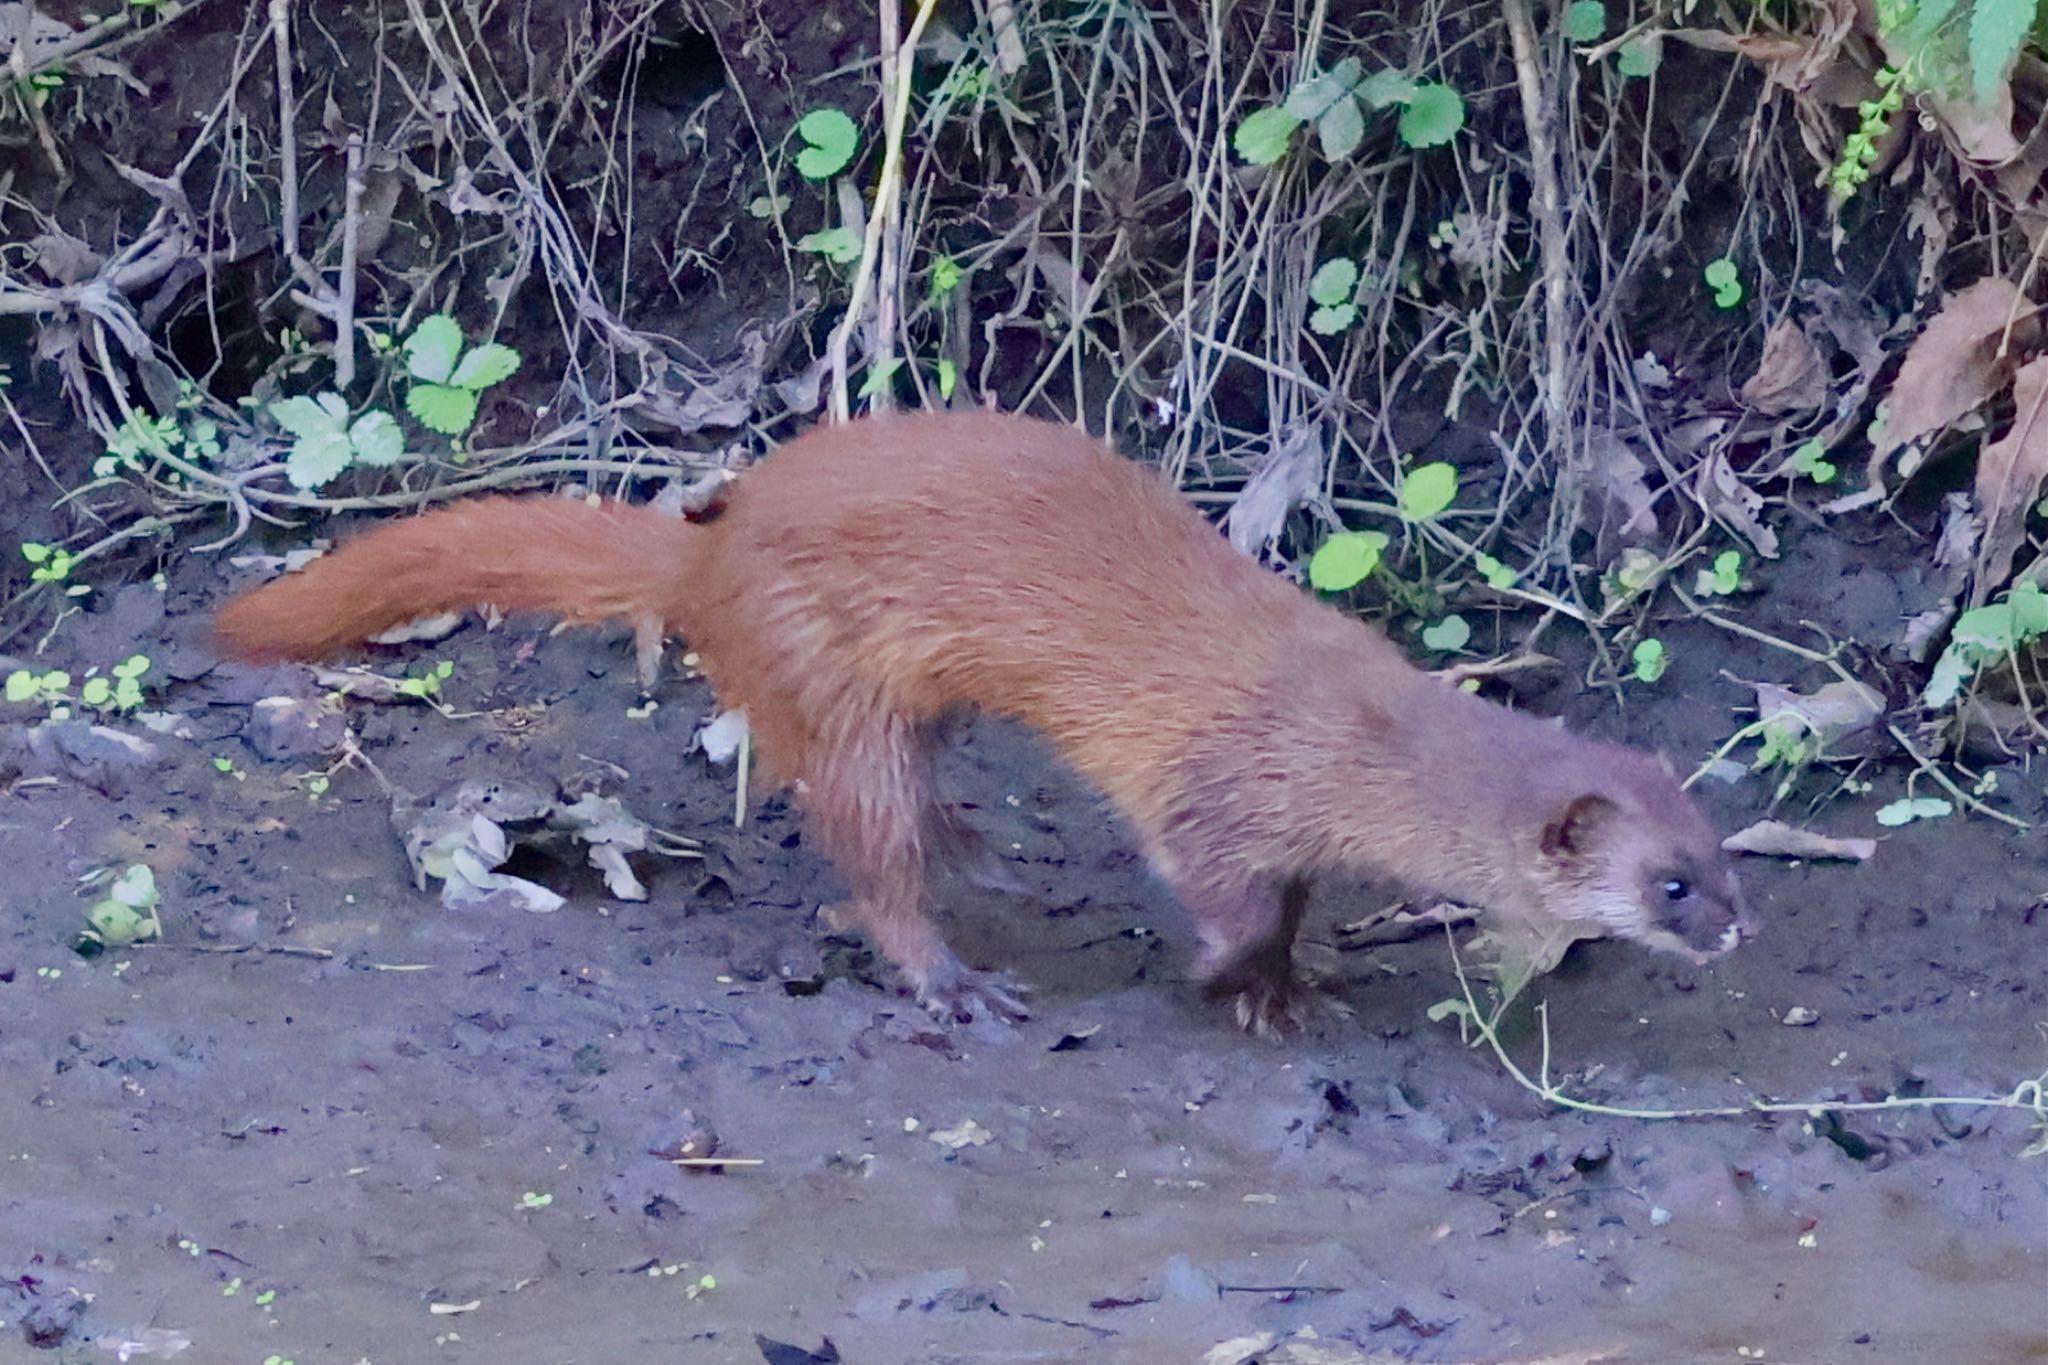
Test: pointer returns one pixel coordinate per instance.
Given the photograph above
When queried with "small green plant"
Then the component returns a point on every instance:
(1428, 490)
(119, 690)
(225, 766)
(830, 141)
(1984, 636)
(878, 376)
(427, 686)
(1811, 460)
(186, 434)
(1650, 660)
(1725, 280)
(47, 563)
(1585, 21)
(126, 914)
(1331, 289)
(946, 277)
(1859, 149)
(1334, 102)
(49, 689)
(447, 379)
(839, 245)
(532, 1200)
(1498, 576)
(1722, 579)
(326, 442)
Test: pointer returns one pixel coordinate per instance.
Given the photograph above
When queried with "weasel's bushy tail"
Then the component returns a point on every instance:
(544, 554)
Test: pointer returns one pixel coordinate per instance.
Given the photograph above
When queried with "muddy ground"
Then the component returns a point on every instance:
(329, 1120)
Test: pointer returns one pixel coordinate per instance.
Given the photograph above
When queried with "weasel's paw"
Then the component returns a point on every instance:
(966, 995)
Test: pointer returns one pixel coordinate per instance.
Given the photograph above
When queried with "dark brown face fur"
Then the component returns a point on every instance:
(1635, 855)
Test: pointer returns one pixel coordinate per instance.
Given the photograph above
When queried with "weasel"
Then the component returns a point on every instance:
(868, 581)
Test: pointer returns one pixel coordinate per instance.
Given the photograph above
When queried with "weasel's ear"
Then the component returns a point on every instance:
(1576, 829)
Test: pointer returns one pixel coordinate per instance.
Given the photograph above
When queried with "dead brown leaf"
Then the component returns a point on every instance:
(1776, 839)
(1790, 375)
(1735, 503)
(1955, 364)
(1291, 476)
(2010, 472)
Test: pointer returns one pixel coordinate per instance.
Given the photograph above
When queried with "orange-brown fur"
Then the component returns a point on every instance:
(869, 580)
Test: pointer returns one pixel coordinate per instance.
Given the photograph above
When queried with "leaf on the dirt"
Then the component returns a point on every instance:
(1433, 116)
(364, 685)
(1951, 368)
(1448, 635)
(1649, 371)
(1799, 1016)
(377, 439)
(1333, 281)
(1734, 502)
(1317, 95)
(1620, 505)
(1585, 21)
(721, 736)
(611, 831)
(1790, 375)
(1907, 809)
(442, 407)
(459, 846)
(840, 245)
(1291, 476)
(1830, 714)
(966, 1133)
(431, 350)
(485, 365)
(1776, 839)
(2010, 472)
(317, 458)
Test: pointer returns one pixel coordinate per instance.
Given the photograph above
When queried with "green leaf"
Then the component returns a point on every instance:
(1650, 660)
(1433, 117)
(21, 685)
(34, 552)
(1907, 809)
(1319, 94)
(945, 278)
(840, 245)
(1498, 576)
(1427, 490)
(1639, 57)
(1448, 1009)
(878, 376)
(316, 458)
(1345, 560)
(135, 888)
(377, 439)
(442, 407)
(949, 376)
(1448, 635)
(431, 350)
(1811, 460)
(1585, 21)
(118, 925)
(1725, 279)
(1384, 88)
(134, 666)
(1328, 321)
(833, 139)
(1263, 136)
(1333, 281)
(1341, 129)
(305, 417)
(1997, 28)
(96, 691)
(484, 366)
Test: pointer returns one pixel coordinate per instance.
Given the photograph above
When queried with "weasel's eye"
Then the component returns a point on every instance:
(1677, 889)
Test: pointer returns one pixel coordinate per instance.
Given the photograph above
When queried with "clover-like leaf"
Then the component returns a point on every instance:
(484, 366)
(1333, 281)
(442, 407)
(310, 417)
(1585, 21)
(316, 458)
(1385, 88)
(431, 350)
(1341, 129)
(832, 137)
(377, 439)
(1448, 635)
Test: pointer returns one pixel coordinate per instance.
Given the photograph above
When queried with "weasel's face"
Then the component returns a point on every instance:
(1638, 858)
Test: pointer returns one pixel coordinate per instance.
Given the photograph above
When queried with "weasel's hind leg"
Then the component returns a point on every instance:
(867, 803)
(951, 843)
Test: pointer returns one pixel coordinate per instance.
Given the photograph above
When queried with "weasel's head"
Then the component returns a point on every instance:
(1627, 849)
